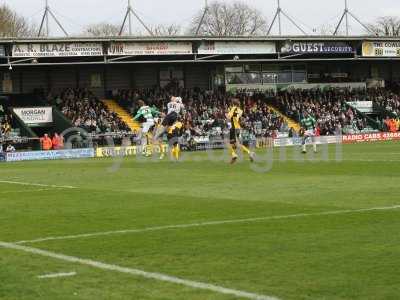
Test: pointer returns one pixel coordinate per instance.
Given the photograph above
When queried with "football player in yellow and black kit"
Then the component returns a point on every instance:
(234, 115)
(174, 133)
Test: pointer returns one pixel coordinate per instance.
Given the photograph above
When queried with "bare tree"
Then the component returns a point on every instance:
(167, 30)
(14, 25)
(386, 26)
(101, 29)
(233, 19)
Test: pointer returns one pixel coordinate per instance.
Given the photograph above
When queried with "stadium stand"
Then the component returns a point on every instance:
(265, 114)
(268, 115)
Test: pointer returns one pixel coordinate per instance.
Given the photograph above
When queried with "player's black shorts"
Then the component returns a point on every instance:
(234, 135)
(173, 137)
(170, 119)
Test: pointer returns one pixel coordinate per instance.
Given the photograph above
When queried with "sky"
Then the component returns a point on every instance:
(309, 14)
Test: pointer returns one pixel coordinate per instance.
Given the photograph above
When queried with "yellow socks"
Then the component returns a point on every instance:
(246, 150)
(162, 148)
(233, 152)
(176, 152)
(149, 145)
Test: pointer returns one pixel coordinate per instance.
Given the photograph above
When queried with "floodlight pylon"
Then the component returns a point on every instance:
(202, 17)
(45, 21)
(128, 17)
(278, 17)
(345, 17)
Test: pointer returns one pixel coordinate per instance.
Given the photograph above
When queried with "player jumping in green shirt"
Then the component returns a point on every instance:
(146, 115)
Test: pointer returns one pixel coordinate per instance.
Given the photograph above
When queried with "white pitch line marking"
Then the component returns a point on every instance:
(249, 220)
(140, 273)
(323, 160)
(57, 275)
(38, 184)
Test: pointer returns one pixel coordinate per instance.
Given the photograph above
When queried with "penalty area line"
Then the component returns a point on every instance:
(138, 273)
(38, 184)
(210, 223)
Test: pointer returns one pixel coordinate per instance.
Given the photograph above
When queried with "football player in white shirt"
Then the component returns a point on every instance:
(174, 109)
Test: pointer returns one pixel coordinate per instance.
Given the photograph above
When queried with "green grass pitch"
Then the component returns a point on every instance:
(315, 229)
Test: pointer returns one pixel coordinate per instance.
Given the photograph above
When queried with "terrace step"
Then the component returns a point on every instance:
(292, 124)
(114, 107)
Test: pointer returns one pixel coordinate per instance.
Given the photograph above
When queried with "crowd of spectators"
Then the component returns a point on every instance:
(328, 107)
(205, 111)
(5, 130)
(386, 100)
(5, 122)
(85, 110)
